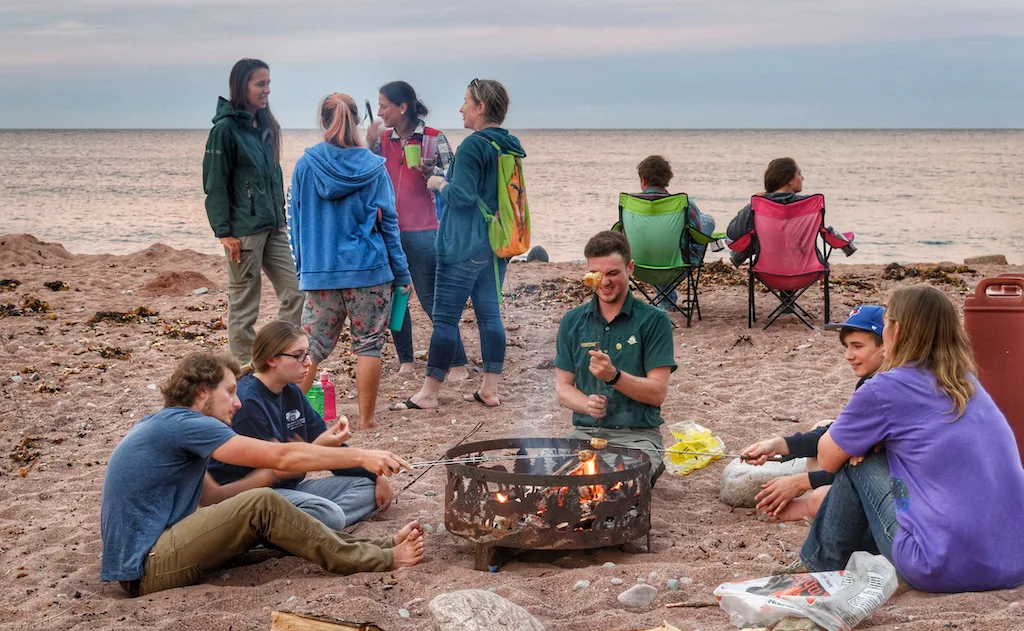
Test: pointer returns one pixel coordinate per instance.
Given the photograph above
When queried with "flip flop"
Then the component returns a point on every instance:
(479, 399)
(409, 405)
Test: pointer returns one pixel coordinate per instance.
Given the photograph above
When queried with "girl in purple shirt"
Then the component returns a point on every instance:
(945, 500)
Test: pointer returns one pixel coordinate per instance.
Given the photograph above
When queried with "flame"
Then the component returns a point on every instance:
(501, 497)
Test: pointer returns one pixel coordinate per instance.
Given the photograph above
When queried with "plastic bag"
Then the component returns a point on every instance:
(691, 437)
(837, 601)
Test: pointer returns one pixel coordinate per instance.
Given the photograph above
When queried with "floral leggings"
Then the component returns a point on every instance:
(368, 310)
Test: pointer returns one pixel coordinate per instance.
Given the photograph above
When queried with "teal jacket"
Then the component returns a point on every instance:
(472, 173)
(243, 184)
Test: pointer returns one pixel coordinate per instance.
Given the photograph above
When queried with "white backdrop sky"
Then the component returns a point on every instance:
(567, 63)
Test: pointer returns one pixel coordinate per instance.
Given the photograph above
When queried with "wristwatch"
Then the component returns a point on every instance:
(615, 379)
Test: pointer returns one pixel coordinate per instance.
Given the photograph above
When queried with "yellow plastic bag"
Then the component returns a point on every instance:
(691, 437)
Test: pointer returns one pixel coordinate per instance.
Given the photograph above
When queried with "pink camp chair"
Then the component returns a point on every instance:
(787, 259)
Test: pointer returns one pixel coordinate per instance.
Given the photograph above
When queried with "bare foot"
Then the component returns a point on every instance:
(459, 373)
(409, 552)
(408, 529)
(406, 369)
(488, 401)
(796, 510)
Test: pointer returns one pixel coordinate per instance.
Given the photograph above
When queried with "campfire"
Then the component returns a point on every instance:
(546, 494)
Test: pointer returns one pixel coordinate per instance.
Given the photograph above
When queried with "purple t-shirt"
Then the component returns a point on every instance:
(958, 486)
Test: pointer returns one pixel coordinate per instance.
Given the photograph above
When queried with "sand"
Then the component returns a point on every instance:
(98, 378)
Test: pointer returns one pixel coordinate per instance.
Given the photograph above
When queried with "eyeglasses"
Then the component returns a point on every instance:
(299, 357)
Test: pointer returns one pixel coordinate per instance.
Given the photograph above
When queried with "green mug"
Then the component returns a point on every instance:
(412, 155)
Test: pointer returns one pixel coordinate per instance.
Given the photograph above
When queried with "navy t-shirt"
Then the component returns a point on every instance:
(267, 415)
(154, 480)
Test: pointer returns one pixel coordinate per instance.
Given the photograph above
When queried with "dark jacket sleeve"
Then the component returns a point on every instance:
(805, 445)
(820, 478)
(217, 166)
(465, 175)
(740, 225)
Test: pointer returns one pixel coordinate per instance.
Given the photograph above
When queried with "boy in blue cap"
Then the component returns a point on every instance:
(861, 336)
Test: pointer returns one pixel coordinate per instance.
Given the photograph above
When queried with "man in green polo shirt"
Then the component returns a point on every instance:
(613, 357)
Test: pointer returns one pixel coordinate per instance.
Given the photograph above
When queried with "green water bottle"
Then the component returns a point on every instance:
(315, 396)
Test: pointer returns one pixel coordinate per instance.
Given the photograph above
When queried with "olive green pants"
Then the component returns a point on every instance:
(207, 538)
(270, 252)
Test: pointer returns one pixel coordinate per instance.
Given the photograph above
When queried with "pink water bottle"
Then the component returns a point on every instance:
(330, 401)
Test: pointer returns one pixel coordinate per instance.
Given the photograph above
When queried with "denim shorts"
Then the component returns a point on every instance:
(368, 310)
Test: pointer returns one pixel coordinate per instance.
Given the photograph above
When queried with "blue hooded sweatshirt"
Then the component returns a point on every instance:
(339, 239)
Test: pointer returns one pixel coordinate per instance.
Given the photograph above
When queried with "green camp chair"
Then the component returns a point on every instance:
(660, 231)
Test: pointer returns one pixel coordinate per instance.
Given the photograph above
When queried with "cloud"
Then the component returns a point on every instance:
(35, 36)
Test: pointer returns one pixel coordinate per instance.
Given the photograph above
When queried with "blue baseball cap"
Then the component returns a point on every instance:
(865, 317)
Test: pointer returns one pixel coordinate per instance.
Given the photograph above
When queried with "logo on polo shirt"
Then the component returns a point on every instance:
(632, 340)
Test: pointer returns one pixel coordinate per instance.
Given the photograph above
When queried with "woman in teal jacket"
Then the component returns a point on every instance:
(465, 262)
(347, 247)
(245, 203)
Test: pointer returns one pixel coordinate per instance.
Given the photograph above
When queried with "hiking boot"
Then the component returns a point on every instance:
(796, 567)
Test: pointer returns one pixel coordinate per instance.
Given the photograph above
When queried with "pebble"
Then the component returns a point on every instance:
(641, 580)
(34, 377)
(292, 598)
(404, 613)
(685, 580)
(200, 291)
(608, 564)
(430, 493)
(288, 582)
(90, 405)
(616, 581)
(127, 390)
(48, 375)
(653, 574)
(16, 378)
(581, 585)
(377, 435)
(225, 576)
(153, 387)
(441, 529)
(128, 292)
(673, 584)
(453, 421)
(638, 596)
(428, 528)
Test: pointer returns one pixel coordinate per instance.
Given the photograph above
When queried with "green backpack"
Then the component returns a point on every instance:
(508, 227)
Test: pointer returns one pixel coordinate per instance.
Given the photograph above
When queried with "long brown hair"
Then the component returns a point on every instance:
(930, 335)
(339, 118)
(779, 173)
(238, 82)
(272, 340)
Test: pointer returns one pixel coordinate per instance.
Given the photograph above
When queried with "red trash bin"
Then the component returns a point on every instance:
(994, 320)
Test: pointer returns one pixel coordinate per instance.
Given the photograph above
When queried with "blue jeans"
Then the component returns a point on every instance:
(335, 501)
(420, 250)
(857, 514)
(454, 283)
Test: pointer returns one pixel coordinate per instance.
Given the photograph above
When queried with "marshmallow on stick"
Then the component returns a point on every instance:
(593, 279)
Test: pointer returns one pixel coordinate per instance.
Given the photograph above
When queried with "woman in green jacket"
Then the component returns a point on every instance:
(245, 203)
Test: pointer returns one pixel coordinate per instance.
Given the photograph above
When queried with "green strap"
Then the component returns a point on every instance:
(497, 280)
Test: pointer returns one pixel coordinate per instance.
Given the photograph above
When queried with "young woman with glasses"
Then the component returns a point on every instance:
(274, 409)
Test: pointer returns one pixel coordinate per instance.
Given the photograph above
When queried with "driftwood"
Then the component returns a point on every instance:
(285, 621)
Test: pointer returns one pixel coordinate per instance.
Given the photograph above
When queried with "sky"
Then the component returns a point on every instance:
(566, 63)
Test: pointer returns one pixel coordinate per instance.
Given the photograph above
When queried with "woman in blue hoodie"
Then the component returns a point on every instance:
(347, 248)
(465, 261)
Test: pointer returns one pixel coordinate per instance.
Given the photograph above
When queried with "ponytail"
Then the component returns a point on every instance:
(339, 118)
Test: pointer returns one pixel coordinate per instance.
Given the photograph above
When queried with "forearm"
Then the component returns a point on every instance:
(642, 389)
(216, 493)
(572, 397)
(302, 457)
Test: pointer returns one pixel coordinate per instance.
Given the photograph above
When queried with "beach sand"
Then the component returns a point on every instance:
(97, 379)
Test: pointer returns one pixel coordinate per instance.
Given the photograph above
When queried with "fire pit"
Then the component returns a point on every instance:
(546, 494)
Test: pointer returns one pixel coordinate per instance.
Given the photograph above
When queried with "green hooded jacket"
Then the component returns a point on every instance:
(243, 184)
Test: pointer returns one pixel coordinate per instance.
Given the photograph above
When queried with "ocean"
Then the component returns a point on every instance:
(908, 195)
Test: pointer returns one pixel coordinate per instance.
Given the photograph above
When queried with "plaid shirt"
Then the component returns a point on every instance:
(444, 148)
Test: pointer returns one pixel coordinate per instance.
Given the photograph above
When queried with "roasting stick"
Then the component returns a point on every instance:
(405, 488)
(476, 459)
